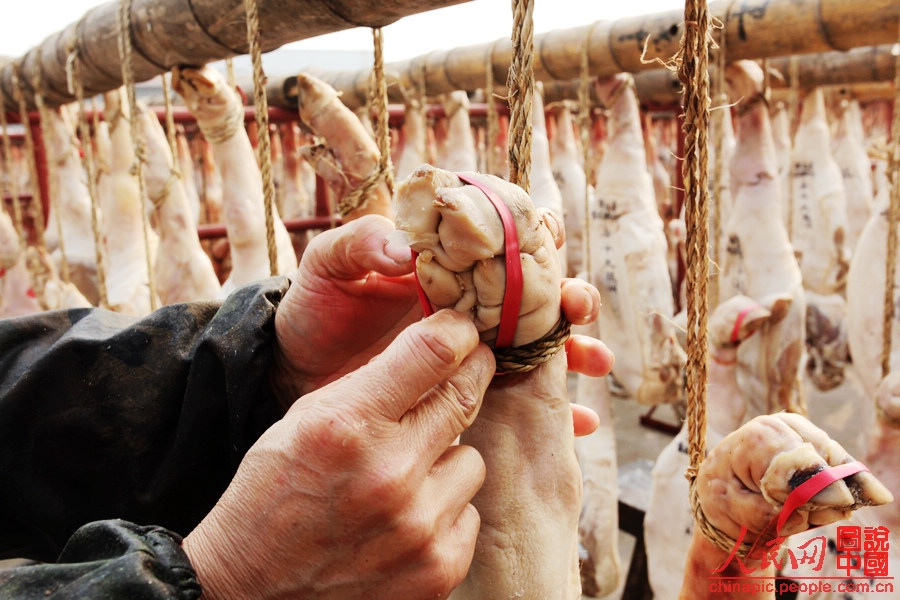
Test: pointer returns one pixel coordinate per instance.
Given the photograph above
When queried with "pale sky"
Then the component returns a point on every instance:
(26, 23)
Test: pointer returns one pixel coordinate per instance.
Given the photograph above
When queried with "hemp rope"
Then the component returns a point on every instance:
(73, 72)
(137, 135)
(694, 75)
(893, 217)
(383, 170)
(170, 121)
(11, 184)
(520, 82)
(380, 105)
(32, 160)
(52, 181)
(584, 130)
(263, 149)
(492, 118)
(520, 359)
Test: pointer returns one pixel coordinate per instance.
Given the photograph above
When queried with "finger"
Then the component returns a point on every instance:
(448, 408)
(580, 301)
(585, 420)
(356, 248)
(455, 478)
(424, 354)
(589, 356)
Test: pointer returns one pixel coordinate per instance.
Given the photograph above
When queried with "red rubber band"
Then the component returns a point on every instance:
(735, 332)
(812, 486)
(427, 308)
(512, 294)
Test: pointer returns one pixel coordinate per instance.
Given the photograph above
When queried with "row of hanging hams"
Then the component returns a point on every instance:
(625, 254)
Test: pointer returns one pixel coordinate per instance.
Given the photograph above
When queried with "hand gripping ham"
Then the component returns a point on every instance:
(529, 504)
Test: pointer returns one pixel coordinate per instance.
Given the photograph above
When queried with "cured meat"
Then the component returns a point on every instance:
(413, 130)
(528, 542)
(744, 482)
(220, 116)
(543, 189)
(598, 523)
(16, 294)
(848, 148)
(668, 521)
(183, 271)
(882, 442)
(188, 176)
(819, 206)
(50, 291)
(759, 259)
(781, 135)
(73, 201)
(628, 258)
(456, 147)
(127, 280)
(568, 172)
(347, 155)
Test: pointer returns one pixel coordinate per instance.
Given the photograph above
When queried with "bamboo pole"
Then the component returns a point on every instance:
(870, 70)
(754, 29)
(187, 32)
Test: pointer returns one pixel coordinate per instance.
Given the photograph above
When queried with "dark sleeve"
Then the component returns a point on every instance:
(109, 559)
(107, 417)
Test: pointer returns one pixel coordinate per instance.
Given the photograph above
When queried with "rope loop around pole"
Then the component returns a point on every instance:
(73, 66)
(261, 104)
(137, 136)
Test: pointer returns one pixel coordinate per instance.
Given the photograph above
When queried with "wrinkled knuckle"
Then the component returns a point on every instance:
(438, 347)
(461, 393)
(388, 488)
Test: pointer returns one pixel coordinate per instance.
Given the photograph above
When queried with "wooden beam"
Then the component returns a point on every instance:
(753, 28)
(185, 32)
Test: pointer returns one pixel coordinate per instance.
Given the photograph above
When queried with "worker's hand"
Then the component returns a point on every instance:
(358, 491)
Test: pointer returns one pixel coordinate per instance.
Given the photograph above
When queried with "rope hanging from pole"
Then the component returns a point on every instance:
(32, 160)
(170, 122)
(520, 82)
(73, 68)
(137, 135)
(52, 181)
(693, 73)
(893, 217)
(264, 153)
(380, 105)
(10, 182)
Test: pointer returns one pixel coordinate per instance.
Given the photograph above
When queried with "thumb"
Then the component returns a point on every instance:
(421, 357)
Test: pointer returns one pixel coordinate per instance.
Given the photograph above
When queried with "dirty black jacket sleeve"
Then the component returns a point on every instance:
(104, 416)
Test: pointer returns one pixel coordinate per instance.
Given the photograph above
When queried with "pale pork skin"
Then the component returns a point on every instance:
(543, 191)
(348, 155)
(414, 131)
(759, 259)
(598, 523)
(567, 165)
(218, 111)
(73, 200)
(745, 480)
(528, 542)
(456, 149)
(849, 150)
(122, 227)
(183, 272)
(818, 206)
(16, 294)
(668, 522)
(628, 258)
(882, 443)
